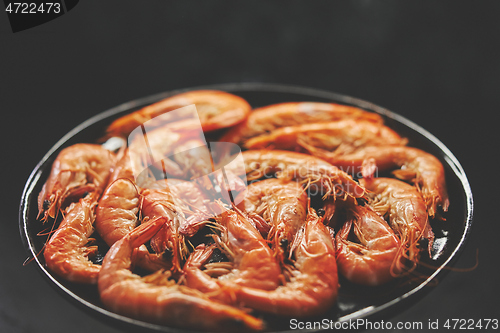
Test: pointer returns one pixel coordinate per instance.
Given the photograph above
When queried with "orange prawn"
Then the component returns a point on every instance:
(216, 109)
(157, 298)
(406, 211)
(252, 261)
(161, 203)
(343, 136)
(153, 148)
(313, 285)
(116, 214)
(67, 253)
(194, 157)
(422, 168)
(304, 168)
(77, 169)
(282, 204)
(266, 119)
(193, 204)
(373, 257)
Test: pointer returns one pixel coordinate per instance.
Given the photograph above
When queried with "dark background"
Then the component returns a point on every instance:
(436, 63)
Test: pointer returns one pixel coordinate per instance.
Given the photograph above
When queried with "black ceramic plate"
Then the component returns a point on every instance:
(353, 302)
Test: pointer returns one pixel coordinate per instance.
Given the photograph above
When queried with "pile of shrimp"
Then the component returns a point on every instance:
(314, 209)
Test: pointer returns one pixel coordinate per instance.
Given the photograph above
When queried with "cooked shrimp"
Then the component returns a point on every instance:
(158, 299)
(194, 158)
(374, 257)
(269, 118)
(67, 253)
(341, 136)
(192, 200)
(216, 109)
(162, 203)
(185, 205)
(282, 204)
(153, 149)
(307, 169)
(253, 262)
(406, 210)
(424, 169)
(77, 169)
(116, 214)
(313, 285)
(123, 168)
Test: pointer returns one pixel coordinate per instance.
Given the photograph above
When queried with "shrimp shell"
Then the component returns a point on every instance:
(344, 135)
(117, 212)
(216, 109)
(406, 210)
(374, 258)
(163, 204)
(304, 168)
(77, 169)
(282, 204)
(66, 253)
(269, 118)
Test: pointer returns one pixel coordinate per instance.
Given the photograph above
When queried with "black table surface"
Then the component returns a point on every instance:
(436, 63)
